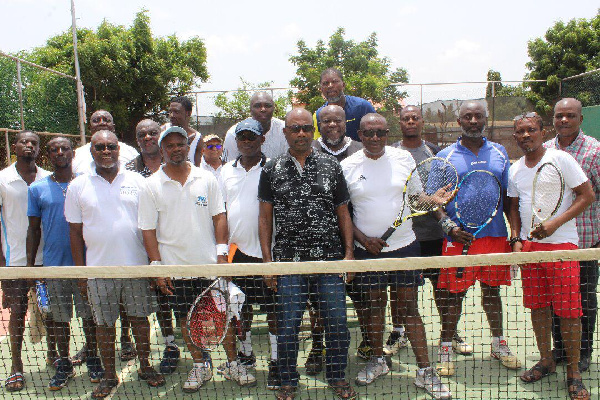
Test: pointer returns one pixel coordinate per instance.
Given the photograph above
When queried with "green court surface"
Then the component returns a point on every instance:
(477, 376)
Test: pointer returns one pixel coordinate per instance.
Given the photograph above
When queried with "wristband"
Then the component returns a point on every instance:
(514, 240)
(222, 249)
(447, 225)
(156, 262)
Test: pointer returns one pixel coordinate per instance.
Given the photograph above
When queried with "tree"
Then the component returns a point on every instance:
(237, 106)
(126, 70)
(366, 74)
(506, 101)
(565, 50)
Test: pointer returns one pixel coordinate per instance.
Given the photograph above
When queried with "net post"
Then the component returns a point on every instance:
(80, 99)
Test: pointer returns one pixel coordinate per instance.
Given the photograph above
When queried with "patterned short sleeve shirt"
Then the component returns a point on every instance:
(304, 203)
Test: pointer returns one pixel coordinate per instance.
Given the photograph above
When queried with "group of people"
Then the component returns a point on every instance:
(314, 187)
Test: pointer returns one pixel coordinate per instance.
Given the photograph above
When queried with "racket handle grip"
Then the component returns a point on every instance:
(388, 233)
(465, 251)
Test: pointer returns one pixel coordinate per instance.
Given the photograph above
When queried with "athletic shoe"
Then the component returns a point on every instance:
(64, 372)
(94, 367)
(460, 346)
(373, 370)
(248, 361)
(430, 381)
(445, 364)
(197, 377)
(395, 342)
(273, 379)
(170, 359)
(507, 358)
(364, 351)
(314, 361)
(239, 373)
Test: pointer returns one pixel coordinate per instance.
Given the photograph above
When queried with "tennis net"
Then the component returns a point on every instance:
(477, 375)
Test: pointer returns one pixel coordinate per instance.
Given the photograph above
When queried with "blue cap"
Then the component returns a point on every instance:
(249, 124)
(172, 129)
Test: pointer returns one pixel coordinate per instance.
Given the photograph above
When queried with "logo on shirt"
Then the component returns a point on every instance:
(202, 201)
(129, 190)
(362, 178)
(478, 162)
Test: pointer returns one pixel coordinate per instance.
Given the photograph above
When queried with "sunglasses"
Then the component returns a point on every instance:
(527, 115)
(369, 133)
(101, 118)
(297, 128)
(214, 146)
(250, 137)
(103, 147)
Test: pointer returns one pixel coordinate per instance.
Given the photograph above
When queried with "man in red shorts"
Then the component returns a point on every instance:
(471, 152)
(549, 284)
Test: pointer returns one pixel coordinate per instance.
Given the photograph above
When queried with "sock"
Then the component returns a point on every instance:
(246, 344)
(380, 359)
(170, 341)
(273, 341)
(400, 330)
(496, 341)
(446, 344)
(422, 370)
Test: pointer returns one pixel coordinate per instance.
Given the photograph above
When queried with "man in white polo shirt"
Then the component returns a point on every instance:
(239, 182)
(182, 218)
(14, 181)
(102, 211)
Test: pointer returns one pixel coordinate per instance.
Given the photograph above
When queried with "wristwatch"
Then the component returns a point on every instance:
(514, 240)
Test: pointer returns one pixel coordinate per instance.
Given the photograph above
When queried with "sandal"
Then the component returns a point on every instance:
(343, 390)
(15, 382)
(104, 388)
(152, 378)
(286, 393)
(578, 390)
(537, 372)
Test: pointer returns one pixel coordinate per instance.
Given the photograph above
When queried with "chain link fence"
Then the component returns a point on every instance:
(586, 88)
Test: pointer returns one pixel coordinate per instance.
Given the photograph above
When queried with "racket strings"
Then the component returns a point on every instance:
(477, 199)
(547, 193)
(430, 177)
(207, 323)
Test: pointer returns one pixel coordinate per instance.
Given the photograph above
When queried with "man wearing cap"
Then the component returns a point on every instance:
(212, 156)
(99, 121)
(102, 211)
(239, 183)
(261, 109)
(183, 222)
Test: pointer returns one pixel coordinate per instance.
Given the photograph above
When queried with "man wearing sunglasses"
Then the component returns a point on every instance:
(261, 109)
(376, 179)
(99, 121)
(332, 88)
(304, 199)
(212, 160)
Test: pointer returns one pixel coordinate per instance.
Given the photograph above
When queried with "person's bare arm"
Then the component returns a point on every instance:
(221, 233)
(78, 252)
(347, 232)
(514, 219)
(32, 243)
(456, 234)
(265, 235)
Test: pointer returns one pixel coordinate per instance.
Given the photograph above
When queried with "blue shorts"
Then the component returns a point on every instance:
(367, 281)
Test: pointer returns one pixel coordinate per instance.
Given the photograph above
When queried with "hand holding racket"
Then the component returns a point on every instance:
(208, 320)
(546, 198)
(476, 203)
(429, 186)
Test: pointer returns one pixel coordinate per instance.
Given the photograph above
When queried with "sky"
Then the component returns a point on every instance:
(436, 41)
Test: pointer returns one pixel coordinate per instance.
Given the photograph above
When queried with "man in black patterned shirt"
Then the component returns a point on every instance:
(303, 194)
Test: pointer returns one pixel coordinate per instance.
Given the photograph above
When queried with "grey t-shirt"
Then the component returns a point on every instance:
(426, 227)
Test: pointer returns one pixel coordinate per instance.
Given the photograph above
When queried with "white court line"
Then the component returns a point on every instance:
(2, 338)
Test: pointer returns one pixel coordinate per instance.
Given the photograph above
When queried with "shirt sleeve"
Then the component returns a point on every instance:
(572, 172)
(265, 191)
(230, 150)
(340, 192)
(33, 208)
(512, 187)
(506, 169)
(73, 212)
(147, 209)
(215, 201)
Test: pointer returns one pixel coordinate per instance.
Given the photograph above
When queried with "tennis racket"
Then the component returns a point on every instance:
(207, 321)
(429, 186)
(546, 195)
(476, 203)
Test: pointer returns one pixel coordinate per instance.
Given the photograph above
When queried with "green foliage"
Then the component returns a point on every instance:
(9, 96)
(565, 50)
(366, 74)
(126, 70)
(237, 106)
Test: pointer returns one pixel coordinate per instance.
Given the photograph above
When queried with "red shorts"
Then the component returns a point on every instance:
(491, 275)
(552, 283)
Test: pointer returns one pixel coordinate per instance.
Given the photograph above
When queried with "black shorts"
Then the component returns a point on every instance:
(15, 294)
(431, 248)
(185, 293)
(253, 286)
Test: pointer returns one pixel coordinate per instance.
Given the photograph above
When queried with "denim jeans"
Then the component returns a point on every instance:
(292, 294)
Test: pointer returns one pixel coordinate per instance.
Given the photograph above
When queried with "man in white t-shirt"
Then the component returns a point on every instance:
(553, 284)
(102, 211)
(180, 113)
(376, 177)
(99, 121)
(182, 218)
(14, 182)
(261, 109)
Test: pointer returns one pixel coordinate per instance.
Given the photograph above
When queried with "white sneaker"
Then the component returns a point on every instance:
(507, 358)
(445, 364)
(197, 377)
(430, 381)
(239, 373)
(373, 370)
(460, 346)
(395, 342)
